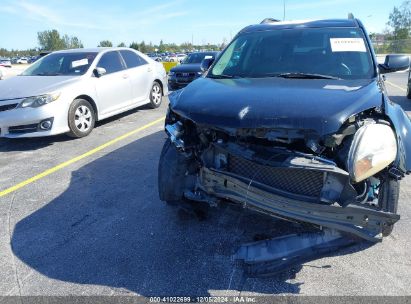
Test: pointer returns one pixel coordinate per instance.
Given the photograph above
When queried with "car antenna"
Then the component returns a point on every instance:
(350, 16)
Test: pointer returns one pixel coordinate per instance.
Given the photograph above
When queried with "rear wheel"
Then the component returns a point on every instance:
(409, 90)
(81, 118)
(388, 200)
(156, 95)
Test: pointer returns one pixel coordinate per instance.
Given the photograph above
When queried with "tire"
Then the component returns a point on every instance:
(156, 95)
(409, 90)
(81, 118)
(388, 200)
(172, 170)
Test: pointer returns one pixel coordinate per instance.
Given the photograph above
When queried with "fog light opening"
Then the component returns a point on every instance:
(46, 124)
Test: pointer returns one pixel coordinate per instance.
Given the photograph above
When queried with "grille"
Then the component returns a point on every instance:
(23, 129)
(185, 74)
(185, 77)
(292, 180)
(8, 107)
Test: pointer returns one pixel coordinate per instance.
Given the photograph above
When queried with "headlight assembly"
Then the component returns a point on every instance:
(171, 73)
(374, 147)
(38, 101)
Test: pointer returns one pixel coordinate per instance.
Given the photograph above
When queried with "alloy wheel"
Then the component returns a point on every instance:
(83, 118)
(156, 94)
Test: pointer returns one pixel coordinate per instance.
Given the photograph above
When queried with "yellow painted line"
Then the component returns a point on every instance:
(396, 86)
(76, 159)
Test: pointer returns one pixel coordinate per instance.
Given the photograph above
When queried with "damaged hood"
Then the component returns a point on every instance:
(319, 105)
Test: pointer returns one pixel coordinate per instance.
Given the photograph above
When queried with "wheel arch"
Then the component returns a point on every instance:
(161, 85)
(91, 101)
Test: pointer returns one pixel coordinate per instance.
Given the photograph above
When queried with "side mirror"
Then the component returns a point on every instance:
(206, 63)
(394, 63)
(98, 72)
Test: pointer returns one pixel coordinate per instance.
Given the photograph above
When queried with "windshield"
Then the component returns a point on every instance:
(64, 64)
(197, 57)
(335, 52)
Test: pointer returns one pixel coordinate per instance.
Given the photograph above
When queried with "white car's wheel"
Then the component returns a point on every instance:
(81, 118)
(156, 95)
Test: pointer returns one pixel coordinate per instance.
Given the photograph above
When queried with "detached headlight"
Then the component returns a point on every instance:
(38, 101)
(374, 147)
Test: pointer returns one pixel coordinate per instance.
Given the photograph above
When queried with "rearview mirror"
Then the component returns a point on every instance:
(206, 64)
(394, 63)
(98, 72)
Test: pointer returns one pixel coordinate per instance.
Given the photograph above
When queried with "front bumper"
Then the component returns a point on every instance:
(24, 122)
(176, 82)
(364, 222)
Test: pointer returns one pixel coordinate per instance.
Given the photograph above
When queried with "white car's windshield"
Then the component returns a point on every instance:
(64, 64)
(334, 52)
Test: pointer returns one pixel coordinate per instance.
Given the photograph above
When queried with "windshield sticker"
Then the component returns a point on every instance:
(347, 45)
(78, 63)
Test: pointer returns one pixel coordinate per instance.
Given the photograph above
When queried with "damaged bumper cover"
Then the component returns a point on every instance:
(359, 220)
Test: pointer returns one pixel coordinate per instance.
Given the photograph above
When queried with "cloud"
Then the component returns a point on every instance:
(8, 9)
(102, 20)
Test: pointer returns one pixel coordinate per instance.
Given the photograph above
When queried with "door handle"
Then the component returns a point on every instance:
(149, 70)
(125, 76)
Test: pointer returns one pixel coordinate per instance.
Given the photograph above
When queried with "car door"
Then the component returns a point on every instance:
(141, 75)
(113, 89)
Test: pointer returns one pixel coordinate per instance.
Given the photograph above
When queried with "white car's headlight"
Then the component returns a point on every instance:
(38, 101)
(374, 147)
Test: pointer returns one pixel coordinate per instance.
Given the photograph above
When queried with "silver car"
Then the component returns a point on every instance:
(68, 91)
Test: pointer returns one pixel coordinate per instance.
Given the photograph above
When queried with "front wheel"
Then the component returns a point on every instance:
(156, 95)
(81, 118)
(388, 200)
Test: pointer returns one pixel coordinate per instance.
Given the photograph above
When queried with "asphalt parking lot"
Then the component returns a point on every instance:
(95, 226)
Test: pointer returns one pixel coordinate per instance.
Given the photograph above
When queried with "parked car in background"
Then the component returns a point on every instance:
(172, 58)
(188, 70)
(181, 57)
(5, 62)
(22, 60)
(292, 120)
(68, 91)
(156, 57)
(42, 54)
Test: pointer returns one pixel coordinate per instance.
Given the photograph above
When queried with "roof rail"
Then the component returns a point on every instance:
(269, 20)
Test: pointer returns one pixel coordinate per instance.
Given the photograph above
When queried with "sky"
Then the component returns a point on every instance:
(178, 21)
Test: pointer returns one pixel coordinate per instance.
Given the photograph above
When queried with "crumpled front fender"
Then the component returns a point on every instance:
(402, 126)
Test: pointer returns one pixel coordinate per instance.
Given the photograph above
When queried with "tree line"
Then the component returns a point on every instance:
(397, 38)
(52, 40)
(397, 34)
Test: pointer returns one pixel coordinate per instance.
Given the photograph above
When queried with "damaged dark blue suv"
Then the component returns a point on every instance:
(292, 120)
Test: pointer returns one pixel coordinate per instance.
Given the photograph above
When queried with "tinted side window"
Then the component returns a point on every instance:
(111, 62)
(132, 59)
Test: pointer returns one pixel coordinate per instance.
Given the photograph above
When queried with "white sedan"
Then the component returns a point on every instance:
(68, 91)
